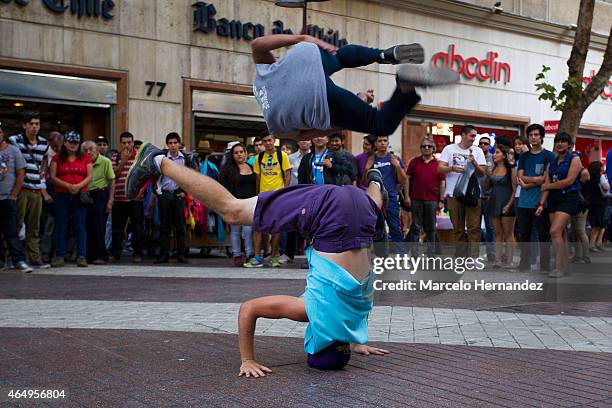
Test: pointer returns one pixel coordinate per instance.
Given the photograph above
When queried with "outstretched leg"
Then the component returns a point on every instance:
(212, 194)
(150, 163)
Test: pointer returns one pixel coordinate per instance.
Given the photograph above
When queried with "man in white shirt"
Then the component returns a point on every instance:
(454, 162)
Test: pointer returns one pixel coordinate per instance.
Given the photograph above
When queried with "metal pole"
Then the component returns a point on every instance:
(304, 11)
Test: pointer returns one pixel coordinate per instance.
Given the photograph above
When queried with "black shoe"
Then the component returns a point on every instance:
(161, 260)
(143, 170)
(376, 175)
(182, 260)
(409, 76)
(405, 54)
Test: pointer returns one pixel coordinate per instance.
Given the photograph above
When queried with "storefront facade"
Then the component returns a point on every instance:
(155, 66)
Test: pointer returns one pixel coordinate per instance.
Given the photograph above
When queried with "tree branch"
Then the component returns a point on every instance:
(581, 40)
(599, 81)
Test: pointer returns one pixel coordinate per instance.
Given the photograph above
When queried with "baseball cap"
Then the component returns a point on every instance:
(72, 136)
(101, 139)
(231, 144)
(333, 357)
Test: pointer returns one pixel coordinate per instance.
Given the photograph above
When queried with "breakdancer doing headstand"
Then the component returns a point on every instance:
(341, 221)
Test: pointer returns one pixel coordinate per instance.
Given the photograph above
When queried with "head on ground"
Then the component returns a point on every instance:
(333, 357)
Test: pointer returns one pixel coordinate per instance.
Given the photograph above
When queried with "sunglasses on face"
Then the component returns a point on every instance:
(73, 142)
(426, 147)
(483, 144)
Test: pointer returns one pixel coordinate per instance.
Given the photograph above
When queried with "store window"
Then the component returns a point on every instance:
(63, 102)
(445, 133)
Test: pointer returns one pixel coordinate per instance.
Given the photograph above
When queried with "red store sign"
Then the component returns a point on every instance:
(604, 94)
(472, 67)
(551, 126)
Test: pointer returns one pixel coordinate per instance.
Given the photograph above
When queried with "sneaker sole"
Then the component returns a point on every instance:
(137, 163)
(417, 75)
(253, 266)
(379, 180)
(409, 53)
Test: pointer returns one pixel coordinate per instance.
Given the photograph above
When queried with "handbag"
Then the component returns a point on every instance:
(85, 198)
(467, 189)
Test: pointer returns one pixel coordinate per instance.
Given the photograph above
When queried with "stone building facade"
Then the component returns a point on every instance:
(155, 66)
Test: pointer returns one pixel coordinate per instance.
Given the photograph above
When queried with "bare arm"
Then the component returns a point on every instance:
(443, 167)
(544, 195)
(512, 198)
(261, 47)
(572, 174)
(270, 307)
(287, 177)
(87, 178)
(111, 195)
(19, 177)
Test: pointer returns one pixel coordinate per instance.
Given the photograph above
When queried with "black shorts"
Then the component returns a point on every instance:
(567, 203)
(597, 216)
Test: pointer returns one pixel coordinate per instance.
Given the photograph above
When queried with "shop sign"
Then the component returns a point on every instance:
(551, 126)
(485, 70)
(205, 21)
(604, 94)
(89, 8)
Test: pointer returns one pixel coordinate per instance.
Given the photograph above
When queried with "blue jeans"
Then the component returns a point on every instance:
(68, 209)
(393, 220)
(247, 235)
(346, 110)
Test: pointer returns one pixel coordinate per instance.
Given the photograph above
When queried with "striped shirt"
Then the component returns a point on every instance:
(33, 155)
(121, 174)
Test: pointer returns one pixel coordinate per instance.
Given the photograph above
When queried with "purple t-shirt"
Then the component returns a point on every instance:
(361, 159)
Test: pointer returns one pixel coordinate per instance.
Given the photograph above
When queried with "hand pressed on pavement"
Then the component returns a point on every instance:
(367, 350)
(251, 368)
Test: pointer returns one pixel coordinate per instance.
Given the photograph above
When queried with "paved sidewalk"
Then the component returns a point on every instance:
(386, 323)
(144, 369)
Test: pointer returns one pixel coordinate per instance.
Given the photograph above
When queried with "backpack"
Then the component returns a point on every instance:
(279, 157)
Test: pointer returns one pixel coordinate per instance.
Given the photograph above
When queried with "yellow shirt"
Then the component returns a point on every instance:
(271, 177)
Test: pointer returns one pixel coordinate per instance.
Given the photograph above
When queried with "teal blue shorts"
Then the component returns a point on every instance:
(336, 303)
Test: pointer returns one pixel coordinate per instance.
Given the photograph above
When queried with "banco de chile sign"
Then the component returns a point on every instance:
(204, 21)
(89, 8)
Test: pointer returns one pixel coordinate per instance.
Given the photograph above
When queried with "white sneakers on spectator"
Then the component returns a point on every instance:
(283, 259)
(23, 267)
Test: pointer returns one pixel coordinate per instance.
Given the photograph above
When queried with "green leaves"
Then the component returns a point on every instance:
(570, 90)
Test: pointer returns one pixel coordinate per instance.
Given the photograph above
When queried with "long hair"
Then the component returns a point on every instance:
(229, 175)
(595, 171)
(505, 150)
(63, 153)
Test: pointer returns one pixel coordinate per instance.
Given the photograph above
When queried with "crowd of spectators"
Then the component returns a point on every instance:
(64, 199)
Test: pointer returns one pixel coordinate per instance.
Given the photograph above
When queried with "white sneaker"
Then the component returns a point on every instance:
(283, 259)
(23, 267)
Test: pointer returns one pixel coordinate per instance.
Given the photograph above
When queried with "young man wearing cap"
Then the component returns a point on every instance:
(340, 276)
(102, 145)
